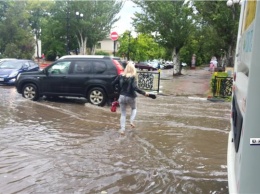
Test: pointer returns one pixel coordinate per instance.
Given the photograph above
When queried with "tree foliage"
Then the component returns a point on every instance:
(165, 28)
(15, 31)
(97, 21)
(222, 24)
(168, 22)
(140, 48)
(23, 23)
(205, 28)
(37, 11)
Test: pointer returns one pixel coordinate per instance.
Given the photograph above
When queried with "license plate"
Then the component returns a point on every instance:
(1, 79)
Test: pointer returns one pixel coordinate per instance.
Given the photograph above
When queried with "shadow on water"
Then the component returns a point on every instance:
(71, 100)
(70, 146)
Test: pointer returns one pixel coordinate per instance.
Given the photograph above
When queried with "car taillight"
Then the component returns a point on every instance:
(119, 68)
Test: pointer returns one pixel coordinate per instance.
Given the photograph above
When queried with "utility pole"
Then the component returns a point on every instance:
(67, 28)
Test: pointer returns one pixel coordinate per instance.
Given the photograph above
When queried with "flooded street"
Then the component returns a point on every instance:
(179, 146)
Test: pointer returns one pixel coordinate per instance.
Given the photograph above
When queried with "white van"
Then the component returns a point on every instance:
(243, 156)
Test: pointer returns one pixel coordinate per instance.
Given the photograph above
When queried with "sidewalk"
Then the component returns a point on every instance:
(194, 83)
(43, 64)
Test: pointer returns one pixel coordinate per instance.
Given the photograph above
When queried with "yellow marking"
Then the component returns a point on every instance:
(250, 13)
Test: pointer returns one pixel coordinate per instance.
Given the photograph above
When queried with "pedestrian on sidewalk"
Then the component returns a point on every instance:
(213, 64)
(193, 61)
(43, 57)
(127, 94)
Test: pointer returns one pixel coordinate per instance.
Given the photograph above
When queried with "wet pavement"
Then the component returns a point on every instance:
(70, 146)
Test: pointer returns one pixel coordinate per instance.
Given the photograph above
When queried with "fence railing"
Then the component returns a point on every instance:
(222, 86)
(149, 80)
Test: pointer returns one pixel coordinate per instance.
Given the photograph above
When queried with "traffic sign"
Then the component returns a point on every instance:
(114, 36)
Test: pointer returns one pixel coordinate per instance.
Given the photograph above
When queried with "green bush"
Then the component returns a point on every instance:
(50, 55)
(102, 53)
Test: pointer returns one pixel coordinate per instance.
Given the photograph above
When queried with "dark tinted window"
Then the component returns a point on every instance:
(99, 67)
(82, 67)
(237, 122)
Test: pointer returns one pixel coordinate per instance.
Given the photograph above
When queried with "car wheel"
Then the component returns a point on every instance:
(97, 96)
(30, 91)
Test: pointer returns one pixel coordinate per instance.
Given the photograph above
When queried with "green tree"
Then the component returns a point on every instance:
(15, 31)
(141, 48)
(97, 21)
(221, 23)
(169, 22)
(38, 10)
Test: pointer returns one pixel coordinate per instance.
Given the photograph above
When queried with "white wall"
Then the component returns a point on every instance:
(108, 45)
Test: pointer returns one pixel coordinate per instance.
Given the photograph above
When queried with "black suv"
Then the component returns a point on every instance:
(88, 76)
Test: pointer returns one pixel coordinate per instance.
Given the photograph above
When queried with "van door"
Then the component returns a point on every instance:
(55, 82)
(81, 74)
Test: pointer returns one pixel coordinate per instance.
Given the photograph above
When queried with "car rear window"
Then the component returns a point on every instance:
(89, 67)
(99, 67)
(82, 67)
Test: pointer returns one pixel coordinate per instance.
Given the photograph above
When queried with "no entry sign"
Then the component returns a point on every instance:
(114, 36)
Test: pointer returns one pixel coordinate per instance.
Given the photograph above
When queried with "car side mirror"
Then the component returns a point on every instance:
(45, 71)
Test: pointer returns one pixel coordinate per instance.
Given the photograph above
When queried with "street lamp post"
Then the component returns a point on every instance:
(231, 53)
(67, 30)
(78, 16)
(231, 2)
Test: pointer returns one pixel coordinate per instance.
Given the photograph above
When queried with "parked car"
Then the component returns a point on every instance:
(11, 68)
(157, 65)
(168, 65)
(6, 59)
(75, 76)
(145, 65)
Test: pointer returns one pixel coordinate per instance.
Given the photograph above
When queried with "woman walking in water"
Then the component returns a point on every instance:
(127, 90)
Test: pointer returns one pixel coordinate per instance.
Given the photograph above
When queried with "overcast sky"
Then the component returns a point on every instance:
(125, 20)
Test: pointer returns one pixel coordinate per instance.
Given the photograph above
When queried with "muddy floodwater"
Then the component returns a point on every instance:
(179, 146)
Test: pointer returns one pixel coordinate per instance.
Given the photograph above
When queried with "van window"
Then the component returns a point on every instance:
(60, 68)
(99, 67)
(82, 67)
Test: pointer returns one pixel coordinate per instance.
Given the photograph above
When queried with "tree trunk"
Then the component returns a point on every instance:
(37, 48)
(84, 47)
(231, 56)
(82, 42)
(176, 62)
(93, 50)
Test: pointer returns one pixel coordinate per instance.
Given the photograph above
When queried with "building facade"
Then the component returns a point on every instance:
(107, 45)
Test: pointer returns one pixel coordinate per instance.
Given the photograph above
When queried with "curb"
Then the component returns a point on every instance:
(196, 98)
(215, 100)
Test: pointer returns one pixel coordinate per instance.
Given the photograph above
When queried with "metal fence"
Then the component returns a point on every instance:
(222, 86)
(149, 80)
